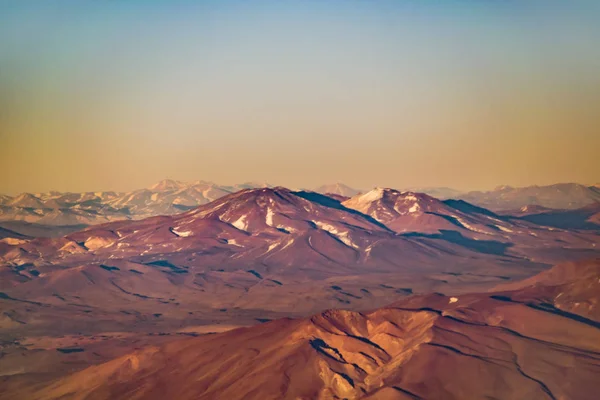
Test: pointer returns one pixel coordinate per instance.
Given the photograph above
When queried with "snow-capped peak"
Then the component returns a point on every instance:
(168, 184)
(371, 196)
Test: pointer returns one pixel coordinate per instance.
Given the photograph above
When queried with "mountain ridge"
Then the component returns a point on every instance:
(169, 197)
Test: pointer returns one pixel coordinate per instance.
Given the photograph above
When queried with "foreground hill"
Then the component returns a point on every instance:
(526, 343)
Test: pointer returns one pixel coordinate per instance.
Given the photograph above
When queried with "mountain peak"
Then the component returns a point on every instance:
(279, 210)
(419, 212)
(168, 184)
(26, 200)
(337, 188)
(375, 194)
(252, 185)
(503, 187)
(388, 196)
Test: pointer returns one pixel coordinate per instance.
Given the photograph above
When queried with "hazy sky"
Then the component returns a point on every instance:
(470, 94)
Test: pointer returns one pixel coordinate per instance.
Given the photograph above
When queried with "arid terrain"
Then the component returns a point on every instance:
(538, 339)
(299, 200)
(261, 256)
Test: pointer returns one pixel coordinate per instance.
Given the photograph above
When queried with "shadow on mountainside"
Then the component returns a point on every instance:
(469, 208)
(481, 246)
(568, 219)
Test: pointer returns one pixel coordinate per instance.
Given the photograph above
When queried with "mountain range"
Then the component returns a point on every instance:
(56, 213)
(120, 297)
(246, 249)
(27, 212)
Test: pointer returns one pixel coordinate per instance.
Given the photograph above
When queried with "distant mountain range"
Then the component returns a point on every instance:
(566, 196)
(89, 208)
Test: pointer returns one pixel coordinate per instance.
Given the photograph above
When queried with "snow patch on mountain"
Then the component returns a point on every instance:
(177, 231)
(288, 243)
(241, 223)
(269, 217)
(341, 235)
(409, 197)
(373, 195)
(13, 241)
(469, 227)
(271, 247)
(415, 208)
(233, 242)
(96, 242)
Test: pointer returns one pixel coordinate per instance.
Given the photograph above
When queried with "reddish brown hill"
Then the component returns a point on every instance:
(570, 287)
(471, 346)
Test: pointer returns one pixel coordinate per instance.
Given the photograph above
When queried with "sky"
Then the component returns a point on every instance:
(116, 95)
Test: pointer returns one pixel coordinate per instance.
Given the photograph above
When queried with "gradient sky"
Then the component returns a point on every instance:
(99, 95)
